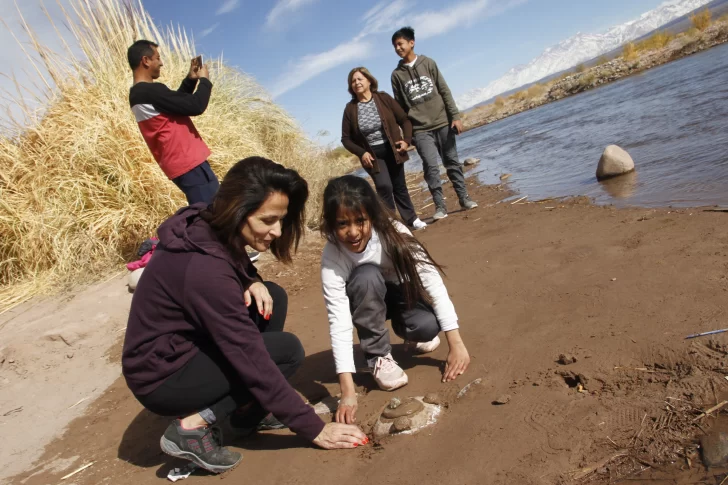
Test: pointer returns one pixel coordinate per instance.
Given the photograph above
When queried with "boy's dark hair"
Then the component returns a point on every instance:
(139, 49)
(406, 33)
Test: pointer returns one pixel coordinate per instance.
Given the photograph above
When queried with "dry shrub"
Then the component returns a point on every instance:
(535, 91)
(580, 68)
(499, 102)
(602, 60)
(629, 52)
(656, 41)
(79, 189)
(702, 19)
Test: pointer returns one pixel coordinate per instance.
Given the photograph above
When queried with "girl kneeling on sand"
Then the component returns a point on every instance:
(205, 338)
(373, 269)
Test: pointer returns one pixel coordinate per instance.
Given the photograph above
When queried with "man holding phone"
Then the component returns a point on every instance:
(164, 120)
(421, 90)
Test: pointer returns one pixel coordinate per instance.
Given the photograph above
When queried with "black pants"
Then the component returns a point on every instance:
(199, 184)
(208, 384)
(391, 183)
(373, 301)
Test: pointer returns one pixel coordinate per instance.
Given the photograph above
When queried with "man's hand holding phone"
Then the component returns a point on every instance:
(198, 69)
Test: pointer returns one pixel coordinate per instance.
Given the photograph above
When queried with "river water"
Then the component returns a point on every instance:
(672, 119)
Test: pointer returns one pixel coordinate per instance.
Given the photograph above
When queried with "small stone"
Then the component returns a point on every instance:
(566, 359)
(402, 423)
(471, 161)
(504, 399)
(69, 356)
(432, 398)
(537, 383)
(11, 361)
(394, 403)
(614, 279)
(714, 448)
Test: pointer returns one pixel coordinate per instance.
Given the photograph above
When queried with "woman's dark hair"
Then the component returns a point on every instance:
(354, 194)
(243, 190)
(406, 33)
(364, 72)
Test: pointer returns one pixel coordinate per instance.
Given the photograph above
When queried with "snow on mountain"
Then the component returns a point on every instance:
(578, 49)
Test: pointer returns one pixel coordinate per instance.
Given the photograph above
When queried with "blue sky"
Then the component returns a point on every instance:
(302, 50)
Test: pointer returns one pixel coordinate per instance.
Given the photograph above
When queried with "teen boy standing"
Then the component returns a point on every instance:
(423, 93)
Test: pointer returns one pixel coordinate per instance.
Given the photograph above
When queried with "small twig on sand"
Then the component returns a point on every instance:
(517, 201)
(78, 471)
(13, 411)
(724, 480)
(641, 369)
(79, 402)
(642, 424)
(711, 410)
(585, 472)
(428, 205)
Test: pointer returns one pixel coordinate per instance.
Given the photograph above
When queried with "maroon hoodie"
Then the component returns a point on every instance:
(192, 293)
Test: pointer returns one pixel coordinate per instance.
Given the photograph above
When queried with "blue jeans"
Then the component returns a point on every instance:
(199, 184)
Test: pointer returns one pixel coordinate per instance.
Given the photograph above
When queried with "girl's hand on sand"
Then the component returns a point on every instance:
(263, 300)
(458, 361)
(367, 160)
(337, 435)
(346, 412)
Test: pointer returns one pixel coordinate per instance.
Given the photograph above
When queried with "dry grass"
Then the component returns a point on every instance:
(629, 52)
(78, 187)
(499, 102)
(657, 41)
(702, 19)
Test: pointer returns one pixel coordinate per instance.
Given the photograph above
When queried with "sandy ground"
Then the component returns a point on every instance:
(617, 289)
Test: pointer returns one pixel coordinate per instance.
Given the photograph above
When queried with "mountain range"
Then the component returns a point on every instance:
(578, 49)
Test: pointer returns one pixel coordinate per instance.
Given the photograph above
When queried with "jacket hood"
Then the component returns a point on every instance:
(187, 232)
(404, 67)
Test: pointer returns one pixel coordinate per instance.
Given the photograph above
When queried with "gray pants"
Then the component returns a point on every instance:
(440, 142)
(373, 301)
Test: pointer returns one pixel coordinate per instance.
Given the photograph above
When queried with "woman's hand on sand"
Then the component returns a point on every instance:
(337, 435)
(402, 146)
(367, 161)
(258, 292)
(346, 412)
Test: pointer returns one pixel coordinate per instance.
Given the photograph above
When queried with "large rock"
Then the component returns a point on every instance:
(615, 161)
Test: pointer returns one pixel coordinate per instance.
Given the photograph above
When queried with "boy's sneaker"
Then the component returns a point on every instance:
(440, 213)
(427, 347)
(388, 375)
(253, 255)
(418, 225)
(468, 203)
(202, 446)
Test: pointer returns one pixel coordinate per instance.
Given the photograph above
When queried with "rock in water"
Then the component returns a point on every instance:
(134, 278)
(471, 161)
(615, 161)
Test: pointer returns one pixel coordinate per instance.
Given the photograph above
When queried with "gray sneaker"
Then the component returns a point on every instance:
(440, 213)
(468, 204)
(202, 446)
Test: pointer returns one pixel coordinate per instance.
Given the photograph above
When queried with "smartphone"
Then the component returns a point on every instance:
(198, 61)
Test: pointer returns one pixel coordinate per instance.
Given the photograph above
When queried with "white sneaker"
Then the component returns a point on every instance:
(427, 347)
(418, 225)
(388, 375)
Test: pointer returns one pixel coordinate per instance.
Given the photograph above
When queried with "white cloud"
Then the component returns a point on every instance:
(283, 8)
(433, 23)
(312, 65)
(386, 16)
(209, 30)
(228, 7)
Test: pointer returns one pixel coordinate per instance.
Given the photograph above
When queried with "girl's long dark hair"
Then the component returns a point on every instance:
(243, 190)
(356, 195)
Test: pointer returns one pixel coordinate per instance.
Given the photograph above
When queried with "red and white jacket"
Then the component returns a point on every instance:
(164, 120)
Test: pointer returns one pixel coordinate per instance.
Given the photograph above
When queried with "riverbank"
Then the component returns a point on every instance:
(604, 73)
(617, 289)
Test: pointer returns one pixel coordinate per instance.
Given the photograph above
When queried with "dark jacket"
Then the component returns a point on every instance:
(422, 92)
(393, 117)
(191, 294)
